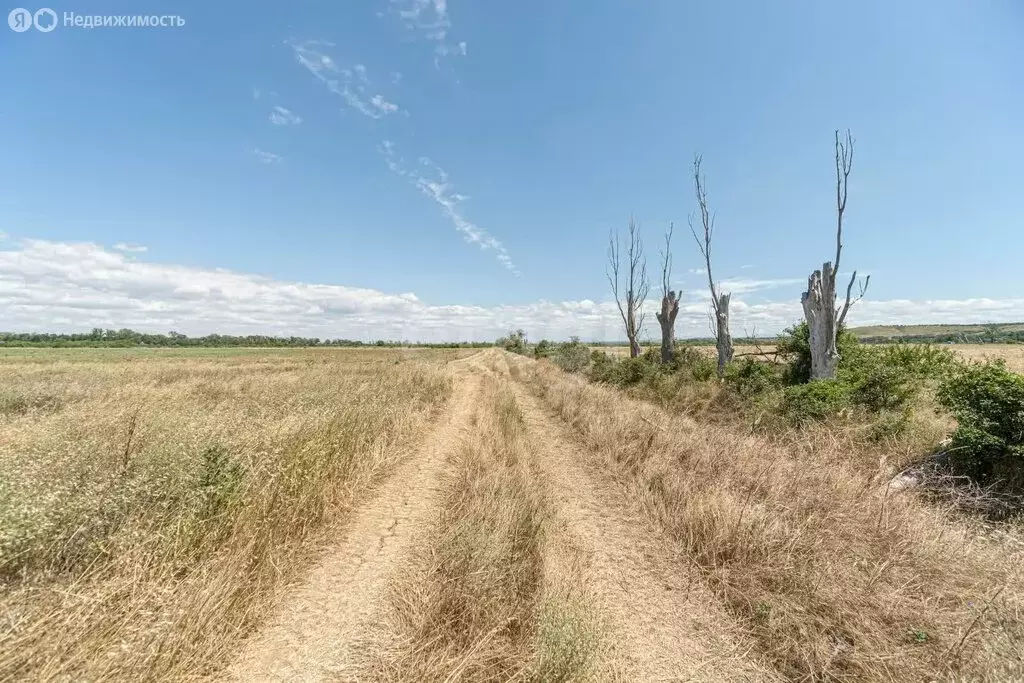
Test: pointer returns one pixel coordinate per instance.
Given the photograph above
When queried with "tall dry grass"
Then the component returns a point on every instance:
(152, 504)
(834, 578)
(476, 603)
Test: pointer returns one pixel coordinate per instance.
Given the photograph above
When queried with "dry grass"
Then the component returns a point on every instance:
(476, 604)
(1013, 354)
(152, 503)
(834, 578)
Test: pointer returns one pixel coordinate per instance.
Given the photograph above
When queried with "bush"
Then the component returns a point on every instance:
(815, 400)
(622, 372)
(514, 341)
(987, 401)
(890, 377)
(543, 349)
(572, 356)
(751, 378)
(694, 362)
(794, 343)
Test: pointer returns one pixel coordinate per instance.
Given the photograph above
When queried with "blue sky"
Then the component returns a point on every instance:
(427, 170)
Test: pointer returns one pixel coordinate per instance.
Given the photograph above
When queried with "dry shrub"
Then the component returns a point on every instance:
(474, 606)
(147, 524)
(835, 578)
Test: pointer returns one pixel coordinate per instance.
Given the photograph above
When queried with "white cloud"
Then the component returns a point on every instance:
(747, 266)
(351, 84)
(429, 19)
(131, 248)
(281, 116)
(698, 271)
(432, 181)
(60, 286)
(383, 105)
(743, 286)
(266, 157)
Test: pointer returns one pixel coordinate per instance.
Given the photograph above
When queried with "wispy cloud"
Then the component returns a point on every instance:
(383, 105)
(698, 271)
(62, 286)
(746, 266)
(350, 83)
(738, 285)
(432, 181)
(266, 157)
(130, 248)
(281, 116)
(429, 18)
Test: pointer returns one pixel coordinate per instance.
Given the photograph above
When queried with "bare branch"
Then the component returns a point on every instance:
(844, 164)
(707, 220)
(666, 261)
(612, 271)
(849, 288)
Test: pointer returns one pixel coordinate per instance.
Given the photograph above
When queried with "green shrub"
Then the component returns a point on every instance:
(890, 377)
(543, 349)
(694, 362)
(815, 400)
(987, 401)
(571, 356)
(514, 341)
(794, 344)
(750, 377)
(622, 372)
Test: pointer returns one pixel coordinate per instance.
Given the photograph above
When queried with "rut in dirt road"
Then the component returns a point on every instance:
(319, 630)
(665, 625)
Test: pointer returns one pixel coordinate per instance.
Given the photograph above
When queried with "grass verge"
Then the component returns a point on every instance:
(833, 577)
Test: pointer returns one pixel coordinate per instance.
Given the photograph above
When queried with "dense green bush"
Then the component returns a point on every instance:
(543, 349)
(815, 400)
(623, 372)
(571, 356)
(750, 377)
(696, 363)
(890, 377)
(987, 401)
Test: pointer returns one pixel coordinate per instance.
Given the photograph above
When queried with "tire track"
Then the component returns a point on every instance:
(321, 630)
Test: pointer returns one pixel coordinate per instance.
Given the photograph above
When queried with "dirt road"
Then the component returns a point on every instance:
(661, 623)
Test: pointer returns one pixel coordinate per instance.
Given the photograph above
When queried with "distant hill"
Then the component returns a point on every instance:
(964, 334)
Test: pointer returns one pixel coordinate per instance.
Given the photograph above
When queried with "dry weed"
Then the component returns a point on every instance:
(834, 578)
(153, 503)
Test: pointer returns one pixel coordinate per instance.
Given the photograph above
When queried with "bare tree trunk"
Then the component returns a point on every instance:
(669, 303)
(819, 310)
(667, 320)
(633, 334)
(824, 321)
(719, 300)
(723, 341)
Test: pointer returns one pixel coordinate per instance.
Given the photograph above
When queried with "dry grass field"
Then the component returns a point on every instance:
(401, 515)
(1013, 354)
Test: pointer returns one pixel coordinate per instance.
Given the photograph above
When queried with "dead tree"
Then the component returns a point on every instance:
(630, 308)
(719, 299)
(669, 303)
(824, 319)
